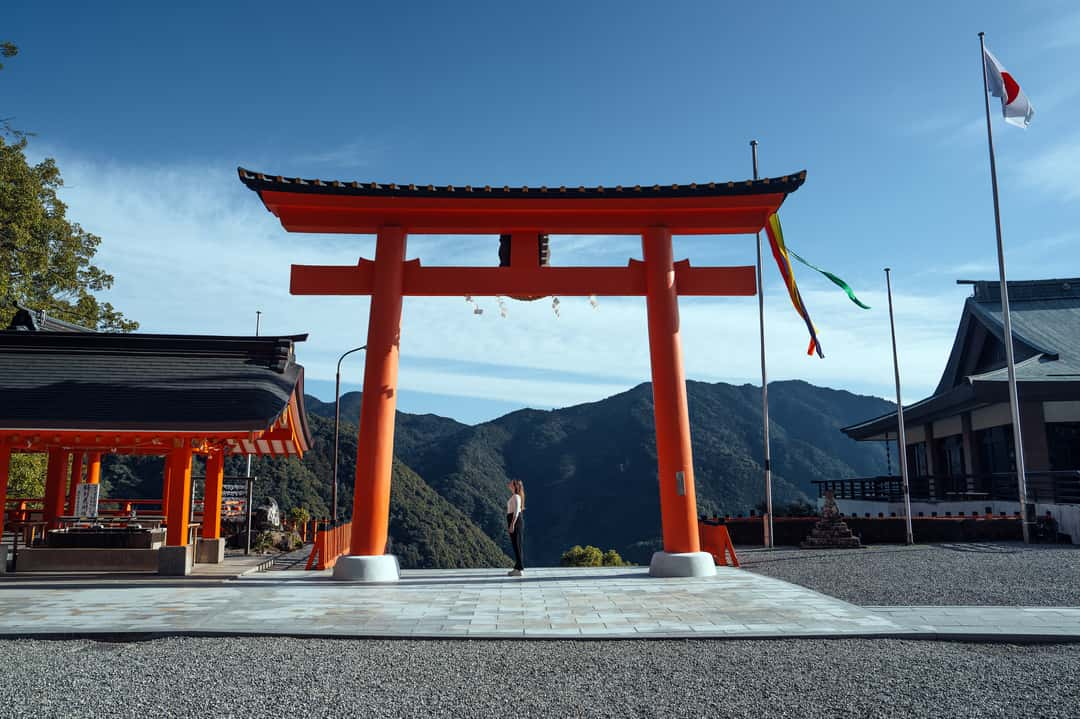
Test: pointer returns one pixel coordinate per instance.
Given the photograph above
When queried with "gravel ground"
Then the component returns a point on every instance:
(297, 678)
(959, 574)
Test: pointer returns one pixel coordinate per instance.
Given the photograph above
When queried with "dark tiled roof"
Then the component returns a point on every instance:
(259, 182)
(1045, 316)
(67, 380)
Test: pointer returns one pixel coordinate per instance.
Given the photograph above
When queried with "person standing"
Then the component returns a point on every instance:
(515, 524)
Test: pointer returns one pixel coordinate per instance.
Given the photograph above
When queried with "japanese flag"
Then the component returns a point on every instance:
(1014, 103)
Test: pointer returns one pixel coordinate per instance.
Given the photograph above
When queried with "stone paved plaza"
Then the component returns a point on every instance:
(555, 603)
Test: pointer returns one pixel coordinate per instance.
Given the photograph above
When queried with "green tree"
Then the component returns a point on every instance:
(578, 556)
(590, 556)
(612, 559)
(46, 258)
(27, 475)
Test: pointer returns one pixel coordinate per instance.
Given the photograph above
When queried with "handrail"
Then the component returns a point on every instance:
(330, 544)
(1052, 486)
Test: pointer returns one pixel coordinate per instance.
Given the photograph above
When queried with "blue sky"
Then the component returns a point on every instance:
(149, 109)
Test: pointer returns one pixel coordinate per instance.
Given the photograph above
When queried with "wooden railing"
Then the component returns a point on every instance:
(1062, 487)
(330, 544)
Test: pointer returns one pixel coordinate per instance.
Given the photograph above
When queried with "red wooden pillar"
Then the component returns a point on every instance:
(55, 477)
(5, 465)
(375, 447)
(76, 479)
(215, 474)
(678, 504)
(166, 479)
(93, 468)
(179, 499)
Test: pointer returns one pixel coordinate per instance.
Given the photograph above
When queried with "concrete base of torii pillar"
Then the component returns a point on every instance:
(357, 568)
(682, 564)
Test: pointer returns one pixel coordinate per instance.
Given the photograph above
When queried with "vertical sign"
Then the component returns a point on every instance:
(86, 500)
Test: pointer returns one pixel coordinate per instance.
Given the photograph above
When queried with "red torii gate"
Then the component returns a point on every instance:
(392, 211)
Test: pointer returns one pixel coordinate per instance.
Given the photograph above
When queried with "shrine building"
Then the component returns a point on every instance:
(960, 450)
(77, 396)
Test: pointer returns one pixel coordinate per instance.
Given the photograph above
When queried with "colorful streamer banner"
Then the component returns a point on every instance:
(835, 280)
(783, 262)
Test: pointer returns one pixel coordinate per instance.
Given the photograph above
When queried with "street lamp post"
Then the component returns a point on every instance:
(337, 421)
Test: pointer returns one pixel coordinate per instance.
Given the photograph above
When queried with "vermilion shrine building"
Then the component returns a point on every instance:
(522, 217)
(77, 395)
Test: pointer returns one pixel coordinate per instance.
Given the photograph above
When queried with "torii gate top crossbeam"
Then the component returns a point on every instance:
(363, 208)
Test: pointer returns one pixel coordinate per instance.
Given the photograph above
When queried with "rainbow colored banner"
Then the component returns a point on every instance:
(783, 262)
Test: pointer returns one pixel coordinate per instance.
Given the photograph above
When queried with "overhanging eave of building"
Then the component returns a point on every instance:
(942, 405)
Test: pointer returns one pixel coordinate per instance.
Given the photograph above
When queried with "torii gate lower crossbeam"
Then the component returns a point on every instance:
(392, 211)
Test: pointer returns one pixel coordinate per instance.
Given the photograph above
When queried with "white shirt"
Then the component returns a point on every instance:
(513, 505)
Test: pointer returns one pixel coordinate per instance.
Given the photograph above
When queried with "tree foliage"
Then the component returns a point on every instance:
(26, 476)
(46, 259)
(590, 556)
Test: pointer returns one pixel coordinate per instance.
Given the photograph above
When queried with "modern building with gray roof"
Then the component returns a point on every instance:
(960, 440)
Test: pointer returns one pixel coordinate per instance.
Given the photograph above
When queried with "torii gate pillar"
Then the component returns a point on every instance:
(367, 560)
(682, 555)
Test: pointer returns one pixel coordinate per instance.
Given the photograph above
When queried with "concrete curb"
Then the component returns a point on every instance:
(914, 635)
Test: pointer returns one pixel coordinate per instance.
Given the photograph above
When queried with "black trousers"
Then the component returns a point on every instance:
(517, 538)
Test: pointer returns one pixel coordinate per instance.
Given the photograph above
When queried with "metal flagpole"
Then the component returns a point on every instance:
(764, 380)
(1014, 402)
(902, 435)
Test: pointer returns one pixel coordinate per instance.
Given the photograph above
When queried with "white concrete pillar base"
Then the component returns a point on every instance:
(176, 561)
(209, 551)
(371, 569)
(683, 564)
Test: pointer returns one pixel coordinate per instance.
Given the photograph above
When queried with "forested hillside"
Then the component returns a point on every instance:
(589, 470)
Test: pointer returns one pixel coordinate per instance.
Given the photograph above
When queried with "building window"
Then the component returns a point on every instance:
(917, 459)
(995, 447)
(1063, 439)
(952, 456)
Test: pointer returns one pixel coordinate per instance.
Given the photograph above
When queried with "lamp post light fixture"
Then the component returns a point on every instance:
(337, 422)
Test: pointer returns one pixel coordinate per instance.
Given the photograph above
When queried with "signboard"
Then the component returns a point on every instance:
(234, 496)
(86, 500)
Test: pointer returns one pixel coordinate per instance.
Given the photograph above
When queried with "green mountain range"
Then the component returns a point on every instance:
(589, 470)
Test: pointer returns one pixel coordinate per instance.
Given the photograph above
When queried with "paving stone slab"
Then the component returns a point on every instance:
(556, 603)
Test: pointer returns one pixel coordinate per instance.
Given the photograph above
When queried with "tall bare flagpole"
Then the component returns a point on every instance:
(764, 380)
(1014, 402)
(902, 435)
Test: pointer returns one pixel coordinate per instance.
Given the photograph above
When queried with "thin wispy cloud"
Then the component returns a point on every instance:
(351, 154)
(1056, 170)
(1063, 32)
(194, 252)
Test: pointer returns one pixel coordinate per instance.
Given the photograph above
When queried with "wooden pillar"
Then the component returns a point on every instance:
(55, 477)
(678, 504)
(5, 468)
(215, 474)
(76, 479)
(935, 487)
(179, 461)
(967, 440)
(375, 446)
(166, 479)
(93, 468)
(1036, 445)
